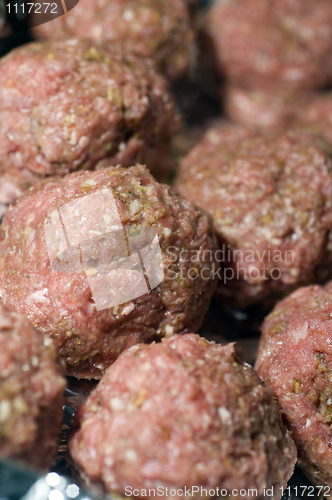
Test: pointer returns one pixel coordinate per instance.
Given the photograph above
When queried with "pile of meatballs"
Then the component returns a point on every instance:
(112, 247)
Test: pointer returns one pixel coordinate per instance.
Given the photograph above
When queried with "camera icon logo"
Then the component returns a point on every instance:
(121, 262)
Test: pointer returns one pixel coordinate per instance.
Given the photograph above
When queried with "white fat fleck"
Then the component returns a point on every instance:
(167, 232)
(116, 404)
(122, 146)
(308, 422)
(115, 310)
(206, 420)
(131, 455)
(133, 348)
(4, 410)
(134, 207)
(128, 309)
(35, 360)
(101, 366)
(89, 182)
(301, 332)
(97, 233)
(90, 271)
(108, 218)
(47, 341)
(224, 414)
(169, 330)
(128, 14)
(109, 461)
(39, 296)
(25, 368)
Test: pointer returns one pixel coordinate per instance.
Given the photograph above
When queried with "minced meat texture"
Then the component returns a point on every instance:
(311, 111)
(159, 29)
(316, 114)
(273, 43)
(267, 108)
(59, 301)
(270, 196)
(32, 384)
(295, 360)
(183, 412)
(66, 104)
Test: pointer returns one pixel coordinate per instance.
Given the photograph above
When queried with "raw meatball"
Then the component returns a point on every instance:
(316, 115)
(67, 104)
(31, 392)
(273, 43)
(184, 412)
(159, 29)
(271, 200)
(265, 108)
(102, 260)
(295, 360)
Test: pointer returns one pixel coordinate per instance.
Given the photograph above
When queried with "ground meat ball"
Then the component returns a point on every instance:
(270, 197)
(271, 43)
(316, 114)
(159, 29)
(72, 302)
(311, 111)
(265, 108)
(184, 412)
(31, 392)
(295, 359)
(67, 104)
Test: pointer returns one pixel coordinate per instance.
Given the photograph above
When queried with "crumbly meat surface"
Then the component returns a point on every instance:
(67, 104)
(179, 413)
(158, 29)
(32, 384)
(295, 360)
(93, 311)
(270, 198)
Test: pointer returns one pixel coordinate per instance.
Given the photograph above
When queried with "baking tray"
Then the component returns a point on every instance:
(199, 108)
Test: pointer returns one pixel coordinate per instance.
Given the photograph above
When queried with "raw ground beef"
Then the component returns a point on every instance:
(270, 197)
(32, 384)
(158, 29)
(183, 412)
(66, 104)
(295, 360)
(71, 254)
